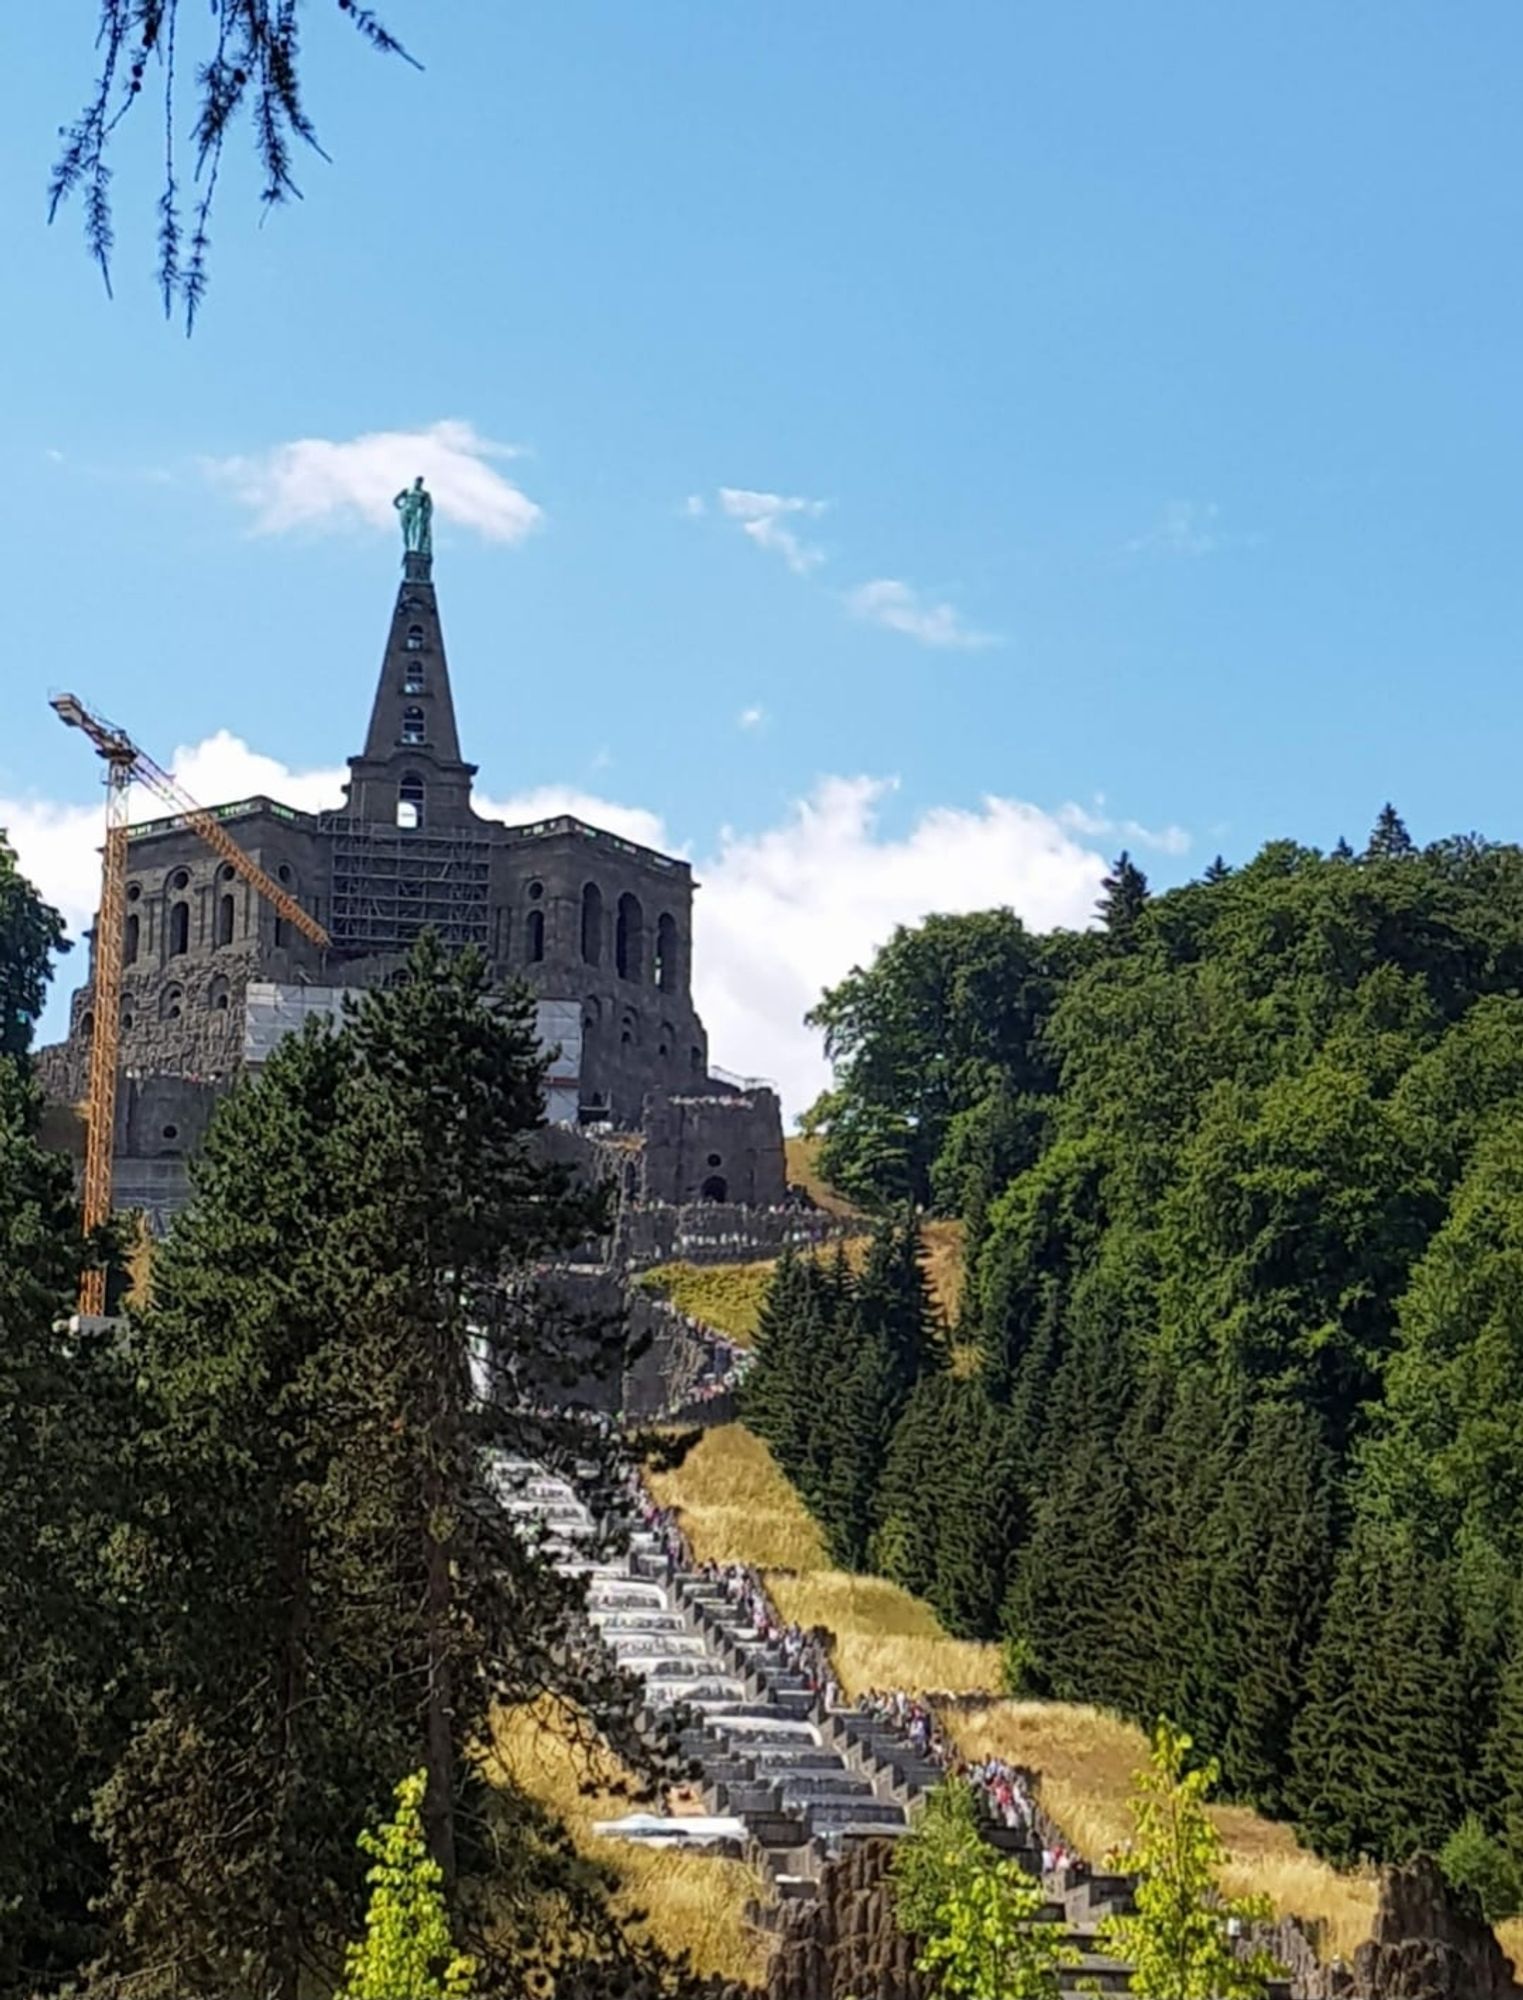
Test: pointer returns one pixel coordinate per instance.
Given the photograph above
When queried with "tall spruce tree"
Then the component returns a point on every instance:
(1385, 1752)
(1124, 896)
(330, 1587)
(61, 1422)
(1389, 839)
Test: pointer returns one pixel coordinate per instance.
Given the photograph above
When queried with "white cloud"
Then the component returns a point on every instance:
(1190, 528)
(764, 517)
(751, 718)
(783, 912)
(695, 507)
(888, 602)
(1094, 822)
(323, 482)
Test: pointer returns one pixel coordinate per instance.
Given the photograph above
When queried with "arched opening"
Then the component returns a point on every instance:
(131, 940)
(592, 1014)
(127, 1018)
(592, 924)
(412, 679)
(225, 918)
(716, 1188)
(179, 928)
(415, 638)
(180, 879)
(410, 802)
(171, 1003)
(695, 1061)
(668, 1039)
(629, 1030)
(87, 1024)
(629, 938)
(219, 996)
(666, 954)
(414, 728)
(534, 936)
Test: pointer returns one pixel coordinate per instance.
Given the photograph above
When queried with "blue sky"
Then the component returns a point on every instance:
(1169, 349)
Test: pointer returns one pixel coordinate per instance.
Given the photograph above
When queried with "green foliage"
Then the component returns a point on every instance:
(324, 1588)
(1177, 1940)
(1475, 1860)
(406, 1953)
(62, 1419)
(837, 1361)
(947, 1013)
(979, 1918)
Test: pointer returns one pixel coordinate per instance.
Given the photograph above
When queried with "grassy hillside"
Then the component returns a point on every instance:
(685, 1901)
(737, 1507)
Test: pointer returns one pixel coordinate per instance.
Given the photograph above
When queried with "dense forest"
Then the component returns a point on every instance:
(1233, 1426)
(253, 1579)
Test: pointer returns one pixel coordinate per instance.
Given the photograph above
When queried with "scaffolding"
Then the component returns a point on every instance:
(390, 884)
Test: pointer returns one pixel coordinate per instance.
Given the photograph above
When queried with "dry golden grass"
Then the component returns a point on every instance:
(737, 1507)
(726, 1296)
(1510, 1938)
(803, 1171)
(693, 1902)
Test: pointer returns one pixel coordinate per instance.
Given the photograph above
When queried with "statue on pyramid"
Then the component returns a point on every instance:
(416, 507)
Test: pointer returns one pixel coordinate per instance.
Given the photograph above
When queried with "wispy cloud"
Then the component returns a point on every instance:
(751, 718)
(327, 482)
(1189, 528)
(1096, 823)
(891, 603)
(765, 517)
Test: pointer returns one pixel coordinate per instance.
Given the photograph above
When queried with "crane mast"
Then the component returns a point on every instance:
(125, 762)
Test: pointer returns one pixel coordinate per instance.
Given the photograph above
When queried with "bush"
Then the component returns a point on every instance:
(1475, 1860)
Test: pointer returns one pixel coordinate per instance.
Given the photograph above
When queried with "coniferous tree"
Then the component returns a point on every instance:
(1389, 839)
(1269, 1555)
(1385, 1751)
(1123, 899)
(1342, 852)
(1216, 871)
(62, 1402)
(329, 1587)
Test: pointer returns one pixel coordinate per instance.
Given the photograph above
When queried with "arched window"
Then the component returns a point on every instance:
(412, 680)
(410, 801)
(592, 1013)
(171, 1003)
(131, 941)
(695, 1061)
(716, 1188)
(536, 892)
(592, 924)
(219, 996)
(225, 917)
(534, 936)
(629, 938)
(415, 638)
(126, 1019)
(413, 728)
(87, 1024)
(629, 1029)
(180, 879)
(668, 1041)
(179, 928)
(666, 954)
(226, 872)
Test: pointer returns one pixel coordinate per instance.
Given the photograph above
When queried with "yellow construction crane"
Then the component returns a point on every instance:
(125, 762)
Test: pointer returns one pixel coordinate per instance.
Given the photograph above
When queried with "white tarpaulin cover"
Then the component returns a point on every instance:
(682, 1831)
(272, 1012)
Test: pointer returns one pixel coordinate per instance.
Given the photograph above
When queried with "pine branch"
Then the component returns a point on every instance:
(254, 71)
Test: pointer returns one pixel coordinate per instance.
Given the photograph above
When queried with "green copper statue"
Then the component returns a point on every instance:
(417, 510)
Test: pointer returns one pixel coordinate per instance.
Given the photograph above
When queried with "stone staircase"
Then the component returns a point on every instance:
(795, 1785)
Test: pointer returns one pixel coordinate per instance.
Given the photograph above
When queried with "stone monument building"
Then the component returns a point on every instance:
(599, 928)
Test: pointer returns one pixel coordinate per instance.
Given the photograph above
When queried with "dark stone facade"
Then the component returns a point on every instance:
(581, 916)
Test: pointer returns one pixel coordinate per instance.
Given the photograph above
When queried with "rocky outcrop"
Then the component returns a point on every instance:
(1427, 1945)
(845, 1942)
